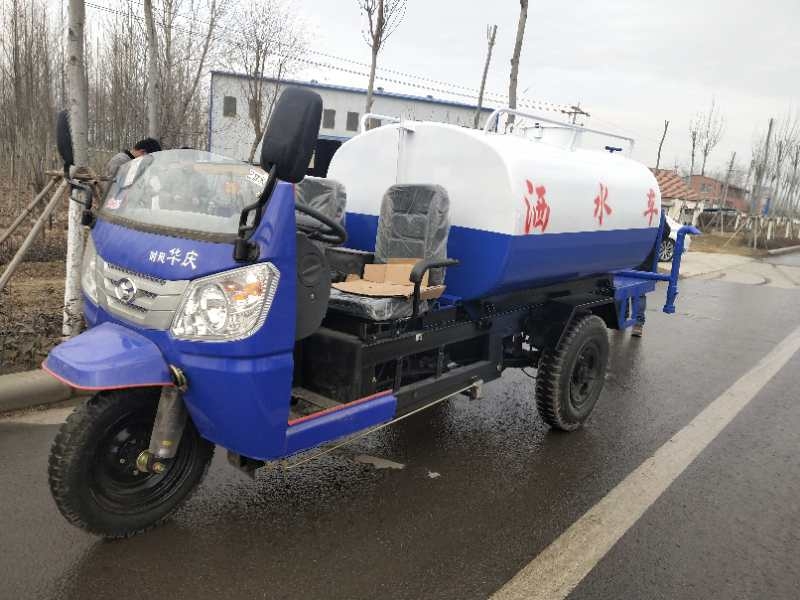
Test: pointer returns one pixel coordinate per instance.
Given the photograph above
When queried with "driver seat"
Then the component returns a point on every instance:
(323, 195)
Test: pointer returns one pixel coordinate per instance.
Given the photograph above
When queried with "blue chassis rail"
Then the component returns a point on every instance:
(631, 285)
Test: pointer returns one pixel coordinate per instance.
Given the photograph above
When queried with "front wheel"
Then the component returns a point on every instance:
(92, 470)
(571, 376)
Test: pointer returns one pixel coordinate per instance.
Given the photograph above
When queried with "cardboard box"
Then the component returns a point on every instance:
(389, 280)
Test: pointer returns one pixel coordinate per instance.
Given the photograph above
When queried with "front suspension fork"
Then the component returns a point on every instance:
(167, 431)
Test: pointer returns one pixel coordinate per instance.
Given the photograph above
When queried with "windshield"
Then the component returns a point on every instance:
(184, 189)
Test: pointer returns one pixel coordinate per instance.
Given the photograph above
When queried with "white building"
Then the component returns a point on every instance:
(230, 132)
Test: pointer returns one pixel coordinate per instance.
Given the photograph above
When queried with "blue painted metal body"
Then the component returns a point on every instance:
(109, 356)
(239, 392)
(326, 426)
(494, 263)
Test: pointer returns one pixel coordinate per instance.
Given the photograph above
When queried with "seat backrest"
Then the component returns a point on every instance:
(325, 195)
(414, 223)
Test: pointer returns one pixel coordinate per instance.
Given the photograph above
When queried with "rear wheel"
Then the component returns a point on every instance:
(92, 471)
(571, 376)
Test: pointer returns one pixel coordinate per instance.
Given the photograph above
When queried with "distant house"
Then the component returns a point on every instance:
(711, 191)
(681, 203)
(230, 132)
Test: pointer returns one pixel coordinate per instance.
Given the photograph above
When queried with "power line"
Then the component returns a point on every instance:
(490, 96)
(366, 65)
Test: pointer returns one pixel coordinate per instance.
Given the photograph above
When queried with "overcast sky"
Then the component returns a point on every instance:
(630, 63)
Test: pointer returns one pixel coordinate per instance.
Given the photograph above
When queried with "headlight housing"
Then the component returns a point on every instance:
(227, 306)
(88, 273)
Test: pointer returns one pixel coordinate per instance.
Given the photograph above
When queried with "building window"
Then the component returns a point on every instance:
(328, 118)
(352, 121)
(373, 123)
(251, 105)
(229, 106)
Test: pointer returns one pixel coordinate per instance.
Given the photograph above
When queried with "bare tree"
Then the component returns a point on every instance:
(713, 123)
(78, 117)
(383, 19)
(153, 77)
(186, 53)
(491, 34)
(269, 41)
(695, 132)
(512, 83)
(661, 143)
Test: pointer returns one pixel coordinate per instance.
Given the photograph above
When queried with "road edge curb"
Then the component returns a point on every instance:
(779, 251)
(28, 389)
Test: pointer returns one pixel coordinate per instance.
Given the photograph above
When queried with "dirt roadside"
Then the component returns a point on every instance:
(30, 315)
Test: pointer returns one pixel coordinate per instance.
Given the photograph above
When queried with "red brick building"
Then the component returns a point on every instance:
(681, 203)
(711, 190)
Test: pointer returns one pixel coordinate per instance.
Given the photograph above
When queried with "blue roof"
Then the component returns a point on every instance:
(343, 88)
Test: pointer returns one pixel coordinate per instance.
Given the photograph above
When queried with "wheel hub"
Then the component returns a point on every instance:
(584, 374)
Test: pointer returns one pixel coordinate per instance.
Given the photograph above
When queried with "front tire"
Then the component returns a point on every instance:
(92, 469)
(571, 376)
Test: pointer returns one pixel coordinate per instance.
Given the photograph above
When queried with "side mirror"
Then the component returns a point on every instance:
(291, 134)
(286, 149)
(64, 139)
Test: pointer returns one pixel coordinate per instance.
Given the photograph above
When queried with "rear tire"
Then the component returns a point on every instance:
(571, 377)
(92, 469)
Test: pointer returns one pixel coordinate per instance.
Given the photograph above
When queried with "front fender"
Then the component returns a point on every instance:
(108, 357)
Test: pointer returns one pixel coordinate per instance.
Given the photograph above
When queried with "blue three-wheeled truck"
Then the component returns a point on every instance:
(272, 313)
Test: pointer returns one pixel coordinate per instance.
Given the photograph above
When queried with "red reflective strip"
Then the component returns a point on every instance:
(340, 407)
(105, 387)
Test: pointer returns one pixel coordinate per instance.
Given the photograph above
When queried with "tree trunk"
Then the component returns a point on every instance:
(371, 85)
(661, 143)
(78, 118)
(492, 35)
(153, 79)
(512, 84)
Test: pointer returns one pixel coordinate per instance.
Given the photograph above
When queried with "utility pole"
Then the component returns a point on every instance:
(574, 111)
(724, 202)
(78, 104)
(661, 143)
(512, 83)
(760, 172)
(153, 79)
(491, 33)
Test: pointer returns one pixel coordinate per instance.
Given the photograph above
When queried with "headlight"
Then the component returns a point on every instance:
(88, 277)
(227, 306)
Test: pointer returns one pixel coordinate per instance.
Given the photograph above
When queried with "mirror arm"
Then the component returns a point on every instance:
(245, 250)
(87, 218)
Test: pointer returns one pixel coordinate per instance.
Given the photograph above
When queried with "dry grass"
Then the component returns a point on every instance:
(726, 244)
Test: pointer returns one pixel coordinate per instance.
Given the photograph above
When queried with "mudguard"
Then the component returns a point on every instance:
(108, 357)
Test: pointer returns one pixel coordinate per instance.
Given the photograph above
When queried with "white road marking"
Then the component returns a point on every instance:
(561, 566)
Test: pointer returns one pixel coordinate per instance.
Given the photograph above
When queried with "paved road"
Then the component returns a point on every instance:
(484, 490)
(774, 271)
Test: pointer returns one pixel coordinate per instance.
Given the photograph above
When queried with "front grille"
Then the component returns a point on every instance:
(155, 300)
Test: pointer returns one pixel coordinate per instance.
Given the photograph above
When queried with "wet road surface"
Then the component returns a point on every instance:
(484, 489)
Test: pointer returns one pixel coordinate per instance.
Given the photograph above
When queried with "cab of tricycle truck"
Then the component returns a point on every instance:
(190, 282)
